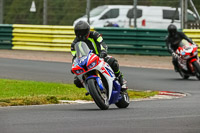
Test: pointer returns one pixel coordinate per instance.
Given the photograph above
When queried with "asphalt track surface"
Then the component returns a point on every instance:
(180, 115)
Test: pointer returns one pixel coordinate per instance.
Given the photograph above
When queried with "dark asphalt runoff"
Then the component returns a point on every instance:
(180, 115)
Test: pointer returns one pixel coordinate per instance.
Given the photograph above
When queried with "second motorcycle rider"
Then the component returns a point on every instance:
(173, 42)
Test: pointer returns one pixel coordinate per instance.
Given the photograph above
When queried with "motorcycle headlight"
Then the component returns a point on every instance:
(183, 53)
(187, 56)
(79, 71)
(93, 64)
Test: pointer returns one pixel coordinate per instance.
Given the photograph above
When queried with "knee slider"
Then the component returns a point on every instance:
(115, 66)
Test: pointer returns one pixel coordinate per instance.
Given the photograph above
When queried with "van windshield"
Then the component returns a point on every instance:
(96, 11)
(191, 17)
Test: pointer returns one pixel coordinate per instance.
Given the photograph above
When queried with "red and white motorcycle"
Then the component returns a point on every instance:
(188, 60)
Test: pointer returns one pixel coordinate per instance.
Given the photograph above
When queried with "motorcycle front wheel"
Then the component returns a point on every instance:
(197, 69)
(100, 97)
(183, 75)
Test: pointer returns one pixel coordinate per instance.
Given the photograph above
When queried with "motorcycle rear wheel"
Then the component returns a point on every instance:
(100, 97)
(197, 69)
(124, 102)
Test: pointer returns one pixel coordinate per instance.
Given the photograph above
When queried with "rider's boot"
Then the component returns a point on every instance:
(175, 63)
(122, 82)
(175, 69)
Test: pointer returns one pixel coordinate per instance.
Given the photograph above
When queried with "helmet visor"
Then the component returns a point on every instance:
(82, 34)
(172, 32)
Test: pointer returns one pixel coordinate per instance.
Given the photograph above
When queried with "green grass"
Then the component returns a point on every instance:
(18, 92)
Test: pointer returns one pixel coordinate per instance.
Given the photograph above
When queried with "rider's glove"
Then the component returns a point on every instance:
(103, 54)
(174, 54)
(194, 44)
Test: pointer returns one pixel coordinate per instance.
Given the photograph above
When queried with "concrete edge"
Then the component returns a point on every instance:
(161, 96)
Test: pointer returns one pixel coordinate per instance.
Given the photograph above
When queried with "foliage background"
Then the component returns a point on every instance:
(64, 12)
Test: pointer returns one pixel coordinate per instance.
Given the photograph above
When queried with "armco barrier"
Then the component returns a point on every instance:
(135, 41)
(42, 37)
(194, 34)
(5, 36)
(59, 38)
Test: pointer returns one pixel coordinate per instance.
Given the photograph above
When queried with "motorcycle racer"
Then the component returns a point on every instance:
(95, 42)
(173, 41)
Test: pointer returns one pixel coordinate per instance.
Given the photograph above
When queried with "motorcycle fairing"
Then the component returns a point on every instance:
(115, 96)
(111, 73)
(188, 53)
(83, 63)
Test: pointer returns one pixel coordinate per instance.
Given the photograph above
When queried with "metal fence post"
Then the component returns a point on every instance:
(195, 10)
(182, 13)
(45, 12)
(135, 13)
(185, 14)
(1, 11)
(88, 11)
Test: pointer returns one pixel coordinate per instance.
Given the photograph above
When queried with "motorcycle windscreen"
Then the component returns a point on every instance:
(184, 43)
(81, 49)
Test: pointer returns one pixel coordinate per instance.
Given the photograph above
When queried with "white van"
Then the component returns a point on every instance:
(158, 17)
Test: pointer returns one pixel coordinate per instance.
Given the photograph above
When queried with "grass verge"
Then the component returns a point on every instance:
(18, 92)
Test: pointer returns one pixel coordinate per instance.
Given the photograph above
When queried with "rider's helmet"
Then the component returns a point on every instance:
(172, 29)
(82, 30)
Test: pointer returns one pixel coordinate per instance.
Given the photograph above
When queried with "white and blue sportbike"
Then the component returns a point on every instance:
(98, 78)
